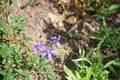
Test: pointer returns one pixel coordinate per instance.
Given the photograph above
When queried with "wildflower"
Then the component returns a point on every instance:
(44, 51)
(39, 48)
(49, 53)
(56, 40)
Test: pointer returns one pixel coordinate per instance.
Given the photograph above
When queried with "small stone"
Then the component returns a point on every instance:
(47, 21)
(71, 20)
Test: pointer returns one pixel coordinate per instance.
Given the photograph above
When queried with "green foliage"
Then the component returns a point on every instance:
(115, 70)
(90, 66)
(72, 35)
(102, 7)
(113, 8)
(17, 63)
(2, 29)
(30, 1)
(109, 36)
(63, 51)
(16, 60)
(4, 1)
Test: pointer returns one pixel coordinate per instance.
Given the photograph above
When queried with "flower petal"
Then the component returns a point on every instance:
(49, 56)
(59, 38)
(53, 52)
(53, 39)
(42, 49)
(58, 44)
(41, 44)
(43, 54)
(35, 51)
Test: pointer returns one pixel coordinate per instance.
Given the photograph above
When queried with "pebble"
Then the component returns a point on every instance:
(48, 21)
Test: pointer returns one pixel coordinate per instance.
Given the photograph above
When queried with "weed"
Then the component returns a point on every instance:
(90, 66)
(17, 61)
(109, 36)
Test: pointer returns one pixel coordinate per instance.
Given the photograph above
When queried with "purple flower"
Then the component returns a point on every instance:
(49, 53)
(39, 48)
(44, 51)
(56, 40)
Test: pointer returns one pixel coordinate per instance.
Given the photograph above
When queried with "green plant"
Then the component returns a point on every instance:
(102, 7)
(90, 66)
(63, 51)
(114, 68)
(72, 35)
(109, 36)
(17, 61)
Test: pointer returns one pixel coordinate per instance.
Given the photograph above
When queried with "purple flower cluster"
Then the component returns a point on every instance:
(47, 51)
(56, 40)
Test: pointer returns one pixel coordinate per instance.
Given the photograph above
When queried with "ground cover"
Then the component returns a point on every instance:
(59, 39)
